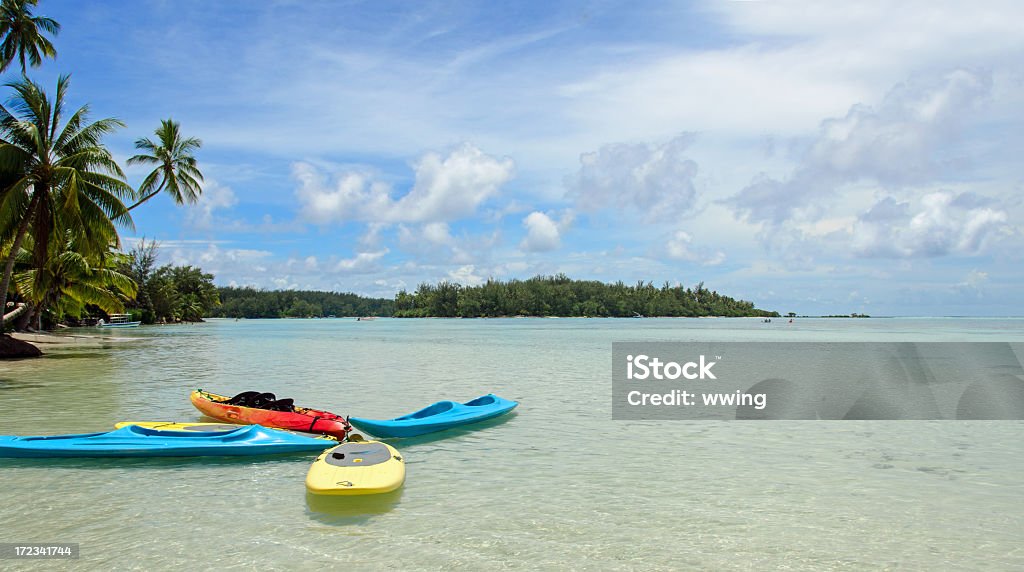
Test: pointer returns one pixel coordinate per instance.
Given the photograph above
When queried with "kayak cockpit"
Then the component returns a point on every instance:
(488, 399)
(435, 409)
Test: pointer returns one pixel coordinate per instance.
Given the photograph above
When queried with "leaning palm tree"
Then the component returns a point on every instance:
(22, 34)
(175, 171)
(63, 176)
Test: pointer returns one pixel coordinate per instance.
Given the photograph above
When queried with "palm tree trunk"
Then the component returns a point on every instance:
(149, 196)
(9, 267)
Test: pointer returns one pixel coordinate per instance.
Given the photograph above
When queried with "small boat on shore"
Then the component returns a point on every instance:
(437, 417)
(137, 441)
(356, 468)
(118, 321)
(252, 407)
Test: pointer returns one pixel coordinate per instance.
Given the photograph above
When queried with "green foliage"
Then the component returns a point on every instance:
(175, 168)
(69, 280)
(60, 183)
(253, 303)
(22, 38)
(169, 293)
(561, 296)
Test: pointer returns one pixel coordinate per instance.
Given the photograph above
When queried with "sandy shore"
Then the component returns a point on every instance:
(44, 340)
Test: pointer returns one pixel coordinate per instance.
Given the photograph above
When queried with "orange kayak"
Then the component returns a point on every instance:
(280, 415)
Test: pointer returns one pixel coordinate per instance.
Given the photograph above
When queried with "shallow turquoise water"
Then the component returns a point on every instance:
(558, 485)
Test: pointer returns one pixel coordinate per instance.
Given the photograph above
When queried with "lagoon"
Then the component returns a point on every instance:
(557, 485)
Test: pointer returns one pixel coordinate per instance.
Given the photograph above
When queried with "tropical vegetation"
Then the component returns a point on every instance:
(253, 303)
(169, 293)
(175, 165)
(23, 35)
(62, 186)
(63, 199)
(562, 296)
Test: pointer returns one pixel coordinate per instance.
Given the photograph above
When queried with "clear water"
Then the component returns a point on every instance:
(556, 486)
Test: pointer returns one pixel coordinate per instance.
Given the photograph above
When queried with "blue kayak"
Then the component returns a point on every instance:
(437, 417)
(136, 441)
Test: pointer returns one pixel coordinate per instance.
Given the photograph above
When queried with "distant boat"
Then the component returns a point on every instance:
(637, 315)
(119, 321)
(366, 318)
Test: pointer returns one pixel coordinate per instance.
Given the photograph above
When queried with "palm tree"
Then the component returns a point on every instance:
(175, 170)
(63, 177)
(22, 35)
(73, 277)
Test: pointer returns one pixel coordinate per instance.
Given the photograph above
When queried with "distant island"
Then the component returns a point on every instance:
(556, 295)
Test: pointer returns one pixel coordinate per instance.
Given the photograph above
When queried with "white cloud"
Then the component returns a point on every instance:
(542, 233)
(679, 247)
(973, 284)
(284, 283)
(446, 188)
(362, 262)
(654, 180)
(941, 223)
(434, 242)
(906, 140)
(466, 275)
(214, 196)
(437, 233)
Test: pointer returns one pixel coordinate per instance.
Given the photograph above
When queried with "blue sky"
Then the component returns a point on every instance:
(810, 157)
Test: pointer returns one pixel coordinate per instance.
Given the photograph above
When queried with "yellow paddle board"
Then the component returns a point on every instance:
(356, 468)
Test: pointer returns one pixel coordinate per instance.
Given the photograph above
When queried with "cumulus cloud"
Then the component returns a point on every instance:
(362, 262)
(903, 141)
(680, 247)
(435, 242)
(973, 283)
(542, 233)
(939, 224)
(653, 180)
(446, 188)
(214, 196)
(466, 275)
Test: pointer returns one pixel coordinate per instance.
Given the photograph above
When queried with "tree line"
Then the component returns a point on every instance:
(539, 296)
(253, 303)
(562, 296)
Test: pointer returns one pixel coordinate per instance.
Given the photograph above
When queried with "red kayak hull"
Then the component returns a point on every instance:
(302, 419)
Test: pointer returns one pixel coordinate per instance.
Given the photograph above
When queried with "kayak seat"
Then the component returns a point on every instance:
(435, 409)
(281, 405)
(243, 398)
(262, 400)
(253, 399)
(484, 400)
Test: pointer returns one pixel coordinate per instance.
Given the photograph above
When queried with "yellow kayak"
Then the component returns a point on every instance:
(172, 426)
(207, 428)
(356, 468)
